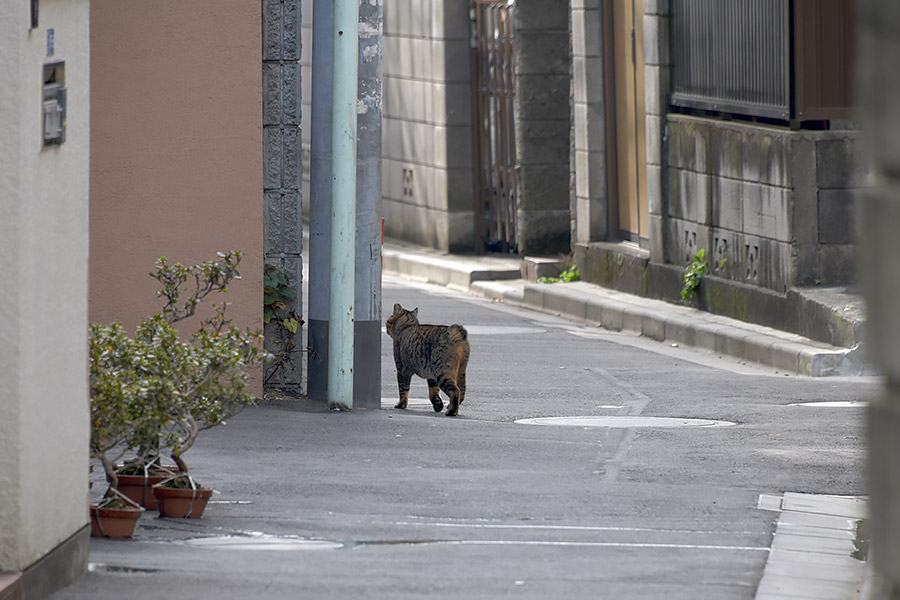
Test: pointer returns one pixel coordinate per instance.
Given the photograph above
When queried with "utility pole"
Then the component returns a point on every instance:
(366, 337)
(343, 204)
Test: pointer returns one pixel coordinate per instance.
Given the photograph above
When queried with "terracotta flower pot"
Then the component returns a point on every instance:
(114, 522)
(140, 488)
(176, 502)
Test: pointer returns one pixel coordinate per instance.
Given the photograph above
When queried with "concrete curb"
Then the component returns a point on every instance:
(499, 278)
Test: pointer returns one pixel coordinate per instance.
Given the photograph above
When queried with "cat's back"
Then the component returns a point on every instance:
(423, 340)
(446, 333)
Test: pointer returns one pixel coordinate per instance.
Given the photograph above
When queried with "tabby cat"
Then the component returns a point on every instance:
(438, 353)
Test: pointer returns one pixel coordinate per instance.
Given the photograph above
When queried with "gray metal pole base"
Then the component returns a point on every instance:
(366, 363)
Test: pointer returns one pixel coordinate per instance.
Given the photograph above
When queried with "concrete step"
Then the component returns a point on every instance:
(450, 270)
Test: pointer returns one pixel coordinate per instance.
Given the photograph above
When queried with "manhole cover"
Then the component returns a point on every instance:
(621, 422)
(838, 404)
(261, 543)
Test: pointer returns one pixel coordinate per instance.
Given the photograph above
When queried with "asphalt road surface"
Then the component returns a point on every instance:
(412, 504)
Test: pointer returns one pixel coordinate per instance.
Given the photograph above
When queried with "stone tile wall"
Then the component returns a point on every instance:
(777, 205)
(427, 141)
(590, 210)
(427, 123)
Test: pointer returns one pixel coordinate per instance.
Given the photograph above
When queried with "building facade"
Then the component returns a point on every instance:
(598, 129)
(747, 156)
(468, 165)
(44, 410)
(177, 150)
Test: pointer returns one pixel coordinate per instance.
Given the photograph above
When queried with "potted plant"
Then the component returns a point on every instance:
(177, 387)
(115, 369)
(196, 384)
(137, 478)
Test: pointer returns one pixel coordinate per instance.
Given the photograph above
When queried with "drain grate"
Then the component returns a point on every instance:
(623, 422)
(93, 567)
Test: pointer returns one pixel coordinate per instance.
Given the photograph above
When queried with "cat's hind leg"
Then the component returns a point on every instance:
(461, 378)
(434, 394)
(451, 389)
(403, 380)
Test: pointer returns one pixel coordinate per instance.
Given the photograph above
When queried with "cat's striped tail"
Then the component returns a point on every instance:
(458, 333)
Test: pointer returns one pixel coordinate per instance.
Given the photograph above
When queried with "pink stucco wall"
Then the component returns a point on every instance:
(176, 148)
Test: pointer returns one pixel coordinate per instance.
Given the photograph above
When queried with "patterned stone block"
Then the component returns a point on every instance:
(273, 23)
(271, 76)
(272, 157)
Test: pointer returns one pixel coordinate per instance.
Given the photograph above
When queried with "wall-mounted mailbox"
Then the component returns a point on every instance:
(54, 104)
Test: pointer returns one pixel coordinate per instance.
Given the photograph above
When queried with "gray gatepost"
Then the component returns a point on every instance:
(281, 161)
(543, 78)
(367, 331)
(367, 312)
(320, 200)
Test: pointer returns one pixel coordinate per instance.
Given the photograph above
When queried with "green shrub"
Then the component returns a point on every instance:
(156, 391)
(570, 273)
(693, 273)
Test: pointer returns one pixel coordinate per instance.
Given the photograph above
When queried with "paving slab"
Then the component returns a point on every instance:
(856, 508)
(818, 532)
(792, 587)
(798, 557)
(814, 571)
(814, 549)
(818, 520)
(814, 544)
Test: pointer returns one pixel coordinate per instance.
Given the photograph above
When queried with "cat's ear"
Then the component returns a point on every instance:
(397, 308)
(415, 311)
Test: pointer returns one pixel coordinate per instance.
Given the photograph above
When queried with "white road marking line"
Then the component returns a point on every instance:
(566, 527)
(604, 545)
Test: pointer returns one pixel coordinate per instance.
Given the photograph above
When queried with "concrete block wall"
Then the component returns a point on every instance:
(282, 163)
(841, 180)
(543, 108)
(590, 209)
(777, 205)
(427, 139)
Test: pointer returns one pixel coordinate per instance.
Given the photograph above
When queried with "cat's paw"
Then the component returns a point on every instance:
(438, 404)
(401, 405)
(450, 413)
